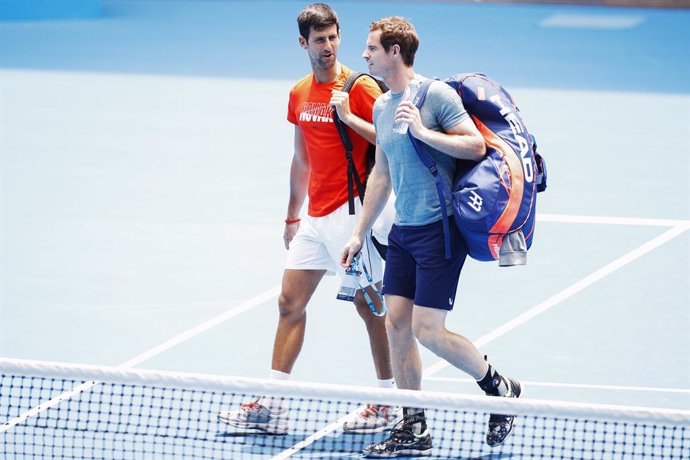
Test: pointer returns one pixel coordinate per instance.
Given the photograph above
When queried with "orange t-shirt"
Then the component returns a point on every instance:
(308, 108)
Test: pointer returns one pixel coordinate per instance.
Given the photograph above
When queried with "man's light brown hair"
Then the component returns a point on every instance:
(395, 30)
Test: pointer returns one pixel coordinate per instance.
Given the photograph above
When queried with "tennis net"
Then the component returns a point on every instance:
(54, 410)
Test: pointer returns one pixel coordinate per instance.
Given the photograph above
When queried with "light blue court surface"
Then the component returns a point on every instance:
(144, 162)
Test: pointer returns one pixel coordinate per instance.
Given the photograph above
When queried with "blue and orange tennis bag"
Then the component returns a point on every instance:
(494, 200)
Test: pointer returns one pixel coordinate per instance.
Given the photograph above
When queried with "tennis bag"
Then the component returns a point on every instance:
(494, 200)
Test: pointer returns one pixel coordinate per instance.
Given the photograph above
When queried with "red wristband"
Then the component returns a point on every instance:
(292, 221)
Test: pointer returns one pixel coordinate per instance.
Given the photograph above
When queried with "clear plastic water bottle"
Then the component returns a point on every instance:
(409, 94)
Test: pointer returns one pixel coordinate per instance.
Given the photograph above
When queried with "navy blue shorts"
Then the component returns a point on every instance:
(416, 267)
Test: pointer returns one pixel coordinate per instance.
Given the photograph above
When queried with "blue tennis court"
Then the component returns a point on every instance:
(144, 160)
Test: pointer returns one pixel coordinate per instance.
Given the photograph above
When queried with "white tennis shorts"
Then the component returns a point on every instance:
(319, 242)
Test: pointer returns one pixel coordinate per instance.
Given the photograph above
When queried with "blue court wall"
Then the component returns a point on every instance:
(19, 10)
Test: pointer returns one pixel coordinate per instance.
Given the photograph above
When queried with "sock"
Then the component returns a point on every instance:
(493, 384)
(415, 419)
(278, 375)
(386, 383)
(277, 402)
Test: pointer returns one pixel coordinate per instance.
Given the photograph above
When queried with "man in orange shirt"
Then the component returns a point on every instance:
(314, 243)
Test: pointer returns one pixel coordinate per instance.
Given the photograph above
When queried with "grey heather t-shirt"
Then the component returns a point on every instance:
(417, 201)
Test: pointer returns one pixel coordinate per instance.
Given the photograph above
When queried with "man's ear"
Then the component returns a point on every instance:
(395, 49)
(302, 42)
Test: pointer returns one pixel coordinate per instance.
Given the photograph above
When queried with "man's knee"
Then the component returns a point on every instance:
(297, 288)
(291, 306)
(397, 324)
(427, 330)
(399, 313)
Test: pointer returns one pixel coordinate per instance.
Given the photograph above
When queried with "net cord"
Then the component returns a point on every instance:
(429, 399)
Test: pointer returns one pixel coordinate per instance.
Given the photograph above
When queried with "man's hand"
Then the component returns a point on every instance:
(350, 250)
(408, 113)
(289, 233)
(340, 101)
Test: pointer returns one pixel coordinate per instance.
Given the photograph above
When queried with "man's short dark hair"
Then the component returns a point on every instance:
(317, 15)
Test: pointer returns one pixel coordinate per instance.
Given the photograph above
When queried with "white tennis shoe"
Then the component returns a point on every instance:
(255, 416)
(373, 419)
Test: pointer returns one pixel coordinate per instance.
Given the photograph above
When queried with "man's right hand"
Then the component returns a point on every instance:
(350, 250)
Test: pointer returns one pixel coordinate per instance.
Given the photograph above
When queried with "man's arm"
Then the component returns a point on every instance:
(463, 141)
(299, 179)
(340, 101)
(378, 190)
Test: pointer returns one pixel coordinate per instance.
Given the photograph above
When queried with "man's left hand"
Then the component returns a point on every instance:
(340, 101)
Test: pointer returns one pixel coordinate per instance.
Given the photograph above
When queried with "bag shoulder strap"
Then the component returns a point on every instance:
(353, 179)
(441, 188)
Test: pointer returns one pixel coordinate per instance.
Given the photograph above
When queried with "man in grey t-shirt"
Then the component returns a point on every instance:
(419, 281)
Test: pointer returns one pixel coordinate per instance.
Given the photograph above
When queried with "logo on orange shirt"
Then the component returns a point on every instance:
(316, 112)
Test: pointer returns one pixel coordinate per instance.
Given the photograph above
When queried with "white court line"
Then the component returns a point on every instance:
(603, 220)
(575, 385)
(213, 322)
(47, 405)
(310, 440)
(678, 228)
(158, 349)
(591, 21)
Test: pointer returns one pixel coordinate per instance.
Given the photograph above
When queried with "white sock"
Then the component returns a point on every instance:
(278, 375)
(277, 402)
(385, 383)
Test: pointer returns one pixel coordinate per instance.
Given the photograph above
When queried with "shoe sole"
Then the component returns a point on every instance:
(401, 453)
(263, 427)
(379, 429)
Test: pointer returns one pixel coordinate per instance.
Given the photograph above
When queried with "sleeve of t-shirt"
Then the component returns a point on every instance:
(376, 111)
(362, 97)
(448, 106)
(292, 110)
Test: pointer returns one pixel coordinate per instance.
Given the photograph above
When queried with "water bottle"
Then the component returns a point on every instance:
(409, 94)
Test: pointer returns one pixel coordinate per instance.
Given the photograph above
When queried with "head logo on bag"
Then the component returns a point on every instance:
(494, 200)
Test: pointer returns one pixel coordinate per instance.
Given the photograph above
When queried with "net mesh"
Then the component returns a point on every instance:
(53, 410)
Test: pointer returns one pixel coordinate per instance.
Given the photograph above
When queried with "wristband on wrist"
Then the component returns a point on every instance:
(292, 221)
